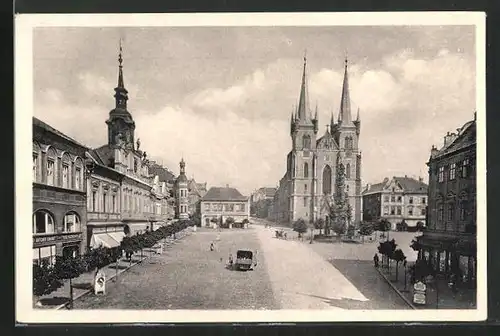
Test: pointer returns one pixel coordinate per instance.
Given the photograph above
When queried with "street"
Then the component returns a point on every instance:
(289, 275)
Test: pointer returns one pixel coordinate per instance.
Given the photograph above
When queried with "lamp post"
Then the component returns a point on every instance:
(404, 265)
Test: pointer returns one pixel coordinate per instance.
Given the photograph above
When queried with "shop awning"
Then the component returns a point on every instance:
(118, 236)
(103, 239)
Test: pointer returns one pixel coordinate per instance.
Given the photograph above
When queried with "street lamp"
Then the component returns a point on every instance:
(404, 265)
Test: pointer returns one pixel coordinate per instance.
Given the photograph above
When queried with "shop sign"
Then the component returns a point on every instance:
(42, 240)
(419, 293)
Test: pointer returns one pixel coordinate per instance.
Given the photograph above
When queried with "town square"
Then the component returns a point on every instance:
(254, 168)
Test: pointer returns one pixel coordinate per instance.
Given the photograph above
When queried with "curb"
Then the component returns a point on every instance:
(109, 279)
(405, 299)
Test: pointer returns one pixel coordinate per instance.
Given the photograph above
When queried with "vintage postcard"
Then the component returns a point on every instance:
(262, 167)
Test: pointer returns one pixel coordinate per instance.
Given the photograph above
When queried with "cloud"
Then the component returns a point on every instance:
(237, 132)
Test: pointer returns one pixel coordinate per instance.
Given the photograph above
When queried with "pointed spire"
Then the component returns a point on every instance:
(120, 67)
(303, 107)
(357, 115)
(121, 96)
(316, 112)
(345, 103)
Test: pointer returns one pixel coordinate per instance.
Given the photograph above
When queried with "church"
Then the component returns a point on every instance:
(306, 190)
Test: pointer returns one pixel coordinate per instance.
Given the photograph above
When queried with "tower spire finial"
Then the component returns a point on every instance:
(303, 111)
(120, 67)
(345, 101)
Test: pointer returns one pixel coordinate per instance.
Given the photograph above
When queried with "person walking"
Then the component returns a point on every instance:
(375, 260)
(211, 246)
(230, 260)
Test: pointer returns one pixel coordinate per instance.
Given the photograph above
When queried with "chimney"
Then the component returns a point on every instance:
(368, 186)
(420, 179)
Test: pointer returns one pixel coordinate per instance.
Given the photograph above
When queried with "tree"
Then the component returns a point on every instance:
(319, 224)
(351, 230)
(127, 245)
(420, 226)
(398, 256)
(416, 246)
(45, 280)
(229, 221)
(365, 229)
(300, 226)
(383, 225)
(68, 267)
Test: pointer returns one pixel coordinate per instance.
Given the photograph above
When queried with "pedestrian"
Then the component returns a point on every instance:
(375, 260)
(230, 260)
(211, 246)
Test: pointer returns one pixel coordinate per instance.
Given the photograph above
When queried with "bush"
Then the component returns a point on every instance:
(229, 221)
(420, 226)
(45, 280)
(300, 226)
(366, 228)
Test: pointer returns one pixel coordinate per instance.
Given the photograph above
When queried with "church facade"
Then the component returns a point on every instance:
(306, 190)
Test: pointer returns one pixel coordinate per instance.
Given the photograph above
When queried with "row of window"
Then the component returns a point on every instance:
(347, 170)
(399, 199)
(183, 192)
(61, 172)
(43, 222)
(450, 211)
(224, 207)
(463, 167)
(398, 210)
(108, 202)
(183, 208)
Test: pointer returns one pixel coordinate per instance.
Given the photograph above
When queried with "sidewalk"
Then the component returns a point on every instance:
(84, 283)
(438, 295)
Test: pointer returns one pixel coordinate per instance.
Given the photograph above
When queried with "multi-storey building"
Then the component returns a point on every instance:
(449, 242)
(195, 192)
(122, 154)
(163, 192)
(59, 194)
(219, 204)
(261, 202)
(312, 164)
(398, 200)
(104, 218)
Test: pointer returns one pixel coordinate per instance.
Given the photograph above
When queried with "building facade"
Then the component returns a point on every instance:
(398, 200)
(221, 203)
(124, 155)
(104, 217)
(59, 194)
(309, 181)
(449, 242)
(195, 192)
(261, 202)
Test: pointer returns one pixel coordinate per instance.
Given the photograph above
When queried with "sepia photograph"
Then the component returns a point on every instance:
(250, 167)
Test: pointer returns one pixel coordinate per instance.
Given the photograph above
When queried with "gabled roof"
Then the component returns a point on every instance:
(327, 138)
(411, 185)
(38, 123)
(163, 174)
(223, 194)
(408, 184)
(377, 187)
(465, 137)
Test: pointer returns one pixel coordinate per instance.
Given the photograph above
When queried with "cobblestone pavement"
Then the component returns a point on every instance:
(190, 276)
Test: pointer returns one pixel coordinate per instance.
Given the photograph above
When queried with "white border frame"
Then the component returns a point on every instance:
(24, 24)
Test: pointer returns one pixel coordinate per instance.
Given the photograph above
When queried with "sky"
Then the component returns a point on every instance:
(221, 97)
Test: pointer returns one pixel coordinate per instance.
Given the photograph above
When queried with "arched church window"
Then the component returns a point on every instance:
(306, 141)
(348, 170)
(327, 180)
(306, 169)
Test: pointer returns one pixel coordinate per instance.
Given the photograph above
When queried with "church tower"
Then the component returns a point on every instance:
(121, 125)
(302, 159)
(346, 133)
(181, 192)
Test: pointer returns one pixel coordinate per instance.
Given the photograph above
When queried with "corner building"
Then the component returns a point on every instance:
(307, 187)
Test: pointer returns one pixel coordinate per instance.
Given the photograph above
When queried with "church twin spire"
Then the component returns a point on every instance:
(121, 94)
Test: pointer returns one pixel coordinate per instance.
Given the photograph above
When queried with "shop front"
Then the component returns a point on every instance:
(109, 236)
(135, 228)
(48, 246)
(451, 256)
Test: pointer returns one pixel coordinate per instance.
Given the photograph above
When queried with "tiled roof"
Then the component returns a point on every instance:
(411, 185)
(37, 122)
(104, 154)
(377, 187)
(163, 174)
(223, 194)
